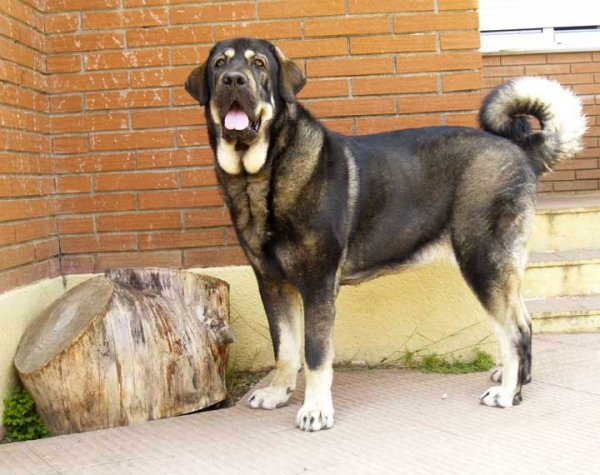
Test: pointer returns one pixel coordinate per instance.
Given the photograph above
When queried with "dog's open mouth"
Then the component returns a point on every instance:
(237, 123)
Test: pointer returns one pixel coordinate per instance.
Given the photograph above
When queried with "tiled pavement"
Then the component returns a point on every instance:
(387, 422)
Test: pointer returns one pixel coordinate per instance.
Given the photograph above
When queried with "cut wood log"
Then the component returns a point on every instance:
(130, 346)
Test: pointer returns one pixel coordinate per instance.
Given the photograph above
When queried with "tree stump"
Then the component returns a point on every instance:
(130, 346)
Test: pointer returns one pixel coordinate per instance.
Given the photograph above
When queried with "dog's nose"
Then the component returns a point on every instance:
(234, 78)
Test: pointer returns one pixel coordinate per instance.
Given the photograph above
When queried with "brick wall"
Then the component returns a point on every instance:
(581, 72)
(104, 159)
(28, 237)
(120, 152)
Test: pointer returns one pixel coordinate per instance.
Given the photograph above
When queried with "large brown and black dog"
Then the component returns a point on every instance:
(314, 209)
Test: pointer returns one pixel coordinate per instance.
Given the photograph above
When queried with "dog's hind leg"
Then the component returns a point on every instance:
(492, 259)
(525, 371)
(495, 276)
(514, 339)
(283, 305)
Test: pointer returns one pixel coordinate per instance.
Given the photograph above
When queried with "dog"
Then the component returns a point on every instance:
(314, 209)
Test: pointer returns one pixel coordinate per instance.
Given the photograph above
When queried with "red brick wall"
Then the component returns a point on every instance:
(28, 238)
(104, 158)
(581, 72)
(133, 180)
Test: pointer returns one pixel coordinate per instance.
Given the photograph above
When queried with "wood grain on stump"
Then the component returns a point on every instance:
(130, 346)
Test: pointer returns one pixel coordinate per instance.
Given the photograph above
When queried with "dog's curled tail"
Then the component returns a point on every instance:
(558, 110)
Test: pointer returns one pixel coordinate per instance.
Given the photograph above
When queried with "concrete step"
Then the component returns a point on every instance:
(565, 314)
(563, 273)
(566, 224)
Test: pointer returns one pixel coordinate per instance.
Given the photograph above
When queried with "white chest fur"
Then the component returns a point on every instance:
(252, 160)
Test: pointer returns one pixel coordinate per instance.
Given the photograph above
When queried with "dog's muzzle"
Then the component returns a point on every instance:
(236, 108)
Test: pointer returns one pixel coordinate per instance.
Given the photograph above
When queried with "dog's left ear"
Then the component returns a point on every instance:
(291, 78)
(197, 84)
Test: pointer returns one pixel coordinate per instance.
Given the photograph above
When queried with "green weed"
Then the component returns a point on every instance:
(20, 419)
(436, 364)
(408, 359)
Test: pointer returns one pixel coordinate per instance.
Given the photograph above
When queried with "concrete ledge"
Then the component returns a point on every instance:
(566, 225)
(562, 273)
(574, 204)
(566, 314)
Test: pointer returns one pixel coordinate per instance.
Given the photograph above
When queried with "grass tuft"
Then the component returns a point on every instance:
(436, 364)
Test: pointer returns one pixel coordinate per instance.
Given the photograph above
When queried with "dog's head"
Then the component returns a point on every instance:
(244, 82)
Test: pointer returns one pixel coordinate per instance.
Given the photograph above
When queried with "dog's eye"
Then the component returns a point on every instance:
(220, 62)
(259, 63)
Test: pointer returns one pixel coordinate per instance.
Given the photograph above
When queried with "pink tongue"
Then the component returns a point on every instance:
(236, 120)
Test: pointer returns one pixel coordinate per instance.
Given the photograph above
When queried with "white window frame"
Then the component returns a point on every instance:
(539, 25)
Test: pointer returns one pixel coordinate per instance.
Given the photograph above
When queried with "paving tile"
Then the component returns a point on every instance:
(387, 422)
(18, 459)
(95, 448)
(152, 465)
(578, 340)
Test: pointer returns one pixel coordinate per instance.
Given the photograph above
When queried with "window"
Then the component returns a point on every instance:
(539, 25)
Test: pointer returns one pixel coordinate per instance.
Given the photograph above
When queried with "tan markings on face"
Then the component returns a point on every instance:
(229, 52)
(249, 54)
(214, 112)
(264, 110)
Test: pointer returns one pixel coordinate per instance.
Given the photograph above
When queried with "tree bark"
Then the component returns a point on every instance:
(130, 346)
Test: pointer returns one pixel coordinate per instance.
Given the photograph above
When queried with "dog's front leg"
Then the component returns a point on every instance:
(283, 306)
(317, 411)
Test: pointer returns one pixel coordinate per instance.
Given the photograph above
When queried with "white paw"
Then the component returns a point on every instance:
(314, 416)
(496, 375)
(270, 397)
(496, 397)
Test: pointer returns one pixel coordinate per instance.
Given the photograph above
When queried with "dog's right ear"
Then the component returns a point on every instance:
(197, 84)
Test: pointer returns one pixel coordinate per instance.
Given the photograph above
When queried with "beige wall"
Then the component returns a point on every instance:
(376, 319)
(17, 309)
(428, 309)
